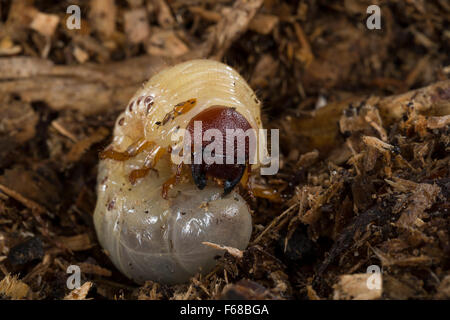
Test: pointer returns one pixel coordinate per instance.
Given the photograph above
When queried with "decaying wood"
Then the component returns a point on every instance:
(79, 293)
(232, 25)
(319, 130)
(354, 287)
(11, 287)
(89, 89)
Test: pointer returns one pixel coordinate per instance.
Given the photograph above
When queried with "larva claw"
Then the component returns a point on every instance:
(199, 175)
(230, 184)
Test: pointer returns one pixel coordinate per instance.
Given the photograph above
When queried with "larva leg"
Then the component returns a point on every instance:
(179, 109)
(258, 191)
(230, 184)
(171, 182)
(265, 192)
(246, 183)
(132, 151)
(150, 162)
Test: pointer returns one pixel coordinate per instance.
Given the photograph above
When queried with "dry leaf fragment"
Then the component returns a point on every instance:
(13, 288)
(79, 242)
(102, 17)
(136, 25)
(233, 251)
(81, 55)
(79, 293)
(45, 23)
(354, 287)
(166, 44)
(438, 122)
(263, 23)
(165, 18)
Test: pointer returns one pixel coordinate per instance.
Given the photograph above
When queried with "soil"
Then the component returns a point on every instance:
(360, 206)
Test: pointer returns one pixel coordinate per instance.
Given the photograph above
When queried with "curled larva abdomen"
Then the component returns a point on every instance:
(152, 217)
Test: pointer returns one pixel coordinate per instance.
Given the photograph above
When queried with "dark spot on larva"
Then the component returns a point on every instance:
(129, 189)
(130, 106)
(166, 119)
(139, 100)
(183, 213)
(104, 180)
(111, 204)
(149, 100)
(121, 121)
(256, 100)
(146, 211)
(158, 123)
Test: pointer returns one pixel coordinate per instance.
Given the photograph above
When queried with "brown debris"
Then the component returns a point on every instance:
(79, 242)
(80, 147)
(354, 287)
(232, 25)
(136, 25)
(233, 251)
(11, 287)
(45, 24)
(166, 43)
(79, 293)
(102, 15)
(245, 290)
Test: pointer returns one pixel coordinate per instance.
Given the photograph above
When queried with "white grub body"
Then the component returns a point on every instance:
(146, 236)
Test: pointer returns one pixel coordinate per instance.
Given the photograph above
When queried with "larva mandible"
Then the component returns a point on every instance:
(151, 218)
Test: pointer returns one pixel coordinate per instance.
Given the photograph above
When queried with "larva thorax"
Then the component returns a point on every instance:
(205, 82)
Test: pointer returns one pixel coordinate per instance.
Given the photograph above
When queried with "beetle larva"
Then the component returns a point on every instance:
(151, 218)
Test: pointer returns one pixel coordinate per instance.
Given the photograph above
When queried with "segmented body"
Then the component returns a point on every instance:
(150, 237)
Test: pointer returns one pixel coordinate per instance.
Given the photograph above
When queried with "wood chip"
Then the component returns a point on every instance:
(166, 44)
(438, 122)
(94, 269)
(233, 24)
(82, 146)
(136, 25)
(79, 293)
(233, 251)
(79, 242)
(13, 288)
(164, 17)
(30, 204)
(81, 55)
(263, 23)
(354, 287)
(265, 70)
(45, 23)
(7, 47)
(377, 143)
(102, 16)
